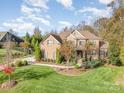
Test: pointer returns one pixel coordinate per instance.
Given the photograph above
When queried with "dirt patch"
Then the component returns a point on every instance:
(70, 72)
(51, 63)
(8, 84)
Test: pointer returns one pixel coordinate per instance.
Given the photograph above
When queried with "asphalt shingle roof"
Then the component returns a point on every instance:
(2, 34)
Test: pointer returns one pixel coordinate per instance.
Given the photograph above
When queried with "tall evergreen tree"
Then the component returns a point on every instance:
(33, 41)
(27, 37)
(114, 53)
(58, 57)
(37, 52)
(37, 34)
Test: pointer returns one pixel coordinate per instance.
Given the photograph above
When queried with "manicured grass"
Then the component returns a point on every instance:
(38, 79)
(3, 53)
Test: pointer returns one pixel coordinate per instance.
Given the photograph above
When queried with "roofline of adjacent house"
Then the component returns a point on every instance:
(3, 35)
(48, 36)
(6, 33)
(84, 36)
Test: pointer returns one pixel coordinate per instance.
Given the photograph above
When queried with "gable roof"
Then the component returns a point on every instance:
(81, 36)
(2, 34)
(89, 35)
(57, 37)
(63, 35)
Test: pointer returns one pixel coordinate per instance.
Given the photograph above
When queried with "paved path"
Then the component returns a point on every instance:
(32, 61)
(56, 66)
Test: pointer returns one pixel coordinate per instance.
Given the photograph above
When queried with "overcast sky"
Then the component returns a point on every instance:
(23, 15)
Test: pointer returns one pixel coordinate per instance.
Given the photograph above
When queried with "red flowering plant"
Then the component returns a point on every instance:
(7, 70)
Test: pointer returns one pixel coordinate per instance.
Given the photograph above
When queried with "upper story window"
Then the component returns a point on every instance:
(93, 42)
(81, 42)
(49, 42)
(93, 52)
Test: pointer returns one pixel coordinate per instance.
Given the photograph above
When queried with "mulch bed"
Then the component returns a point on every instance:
(51, 63)
(70, 72)
(8, 84)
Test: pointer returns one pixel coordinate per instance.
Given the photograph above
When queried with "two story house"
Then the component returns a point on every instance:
(49, 46)
(79, 39)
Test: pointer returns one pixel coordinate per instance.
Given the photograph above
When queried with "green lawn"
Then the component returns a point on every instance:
(3, 53)
(38, 79)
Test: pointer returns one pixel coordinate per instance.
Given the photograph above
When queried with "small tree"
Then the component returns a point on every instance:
(67, 50)
(114, 53)
(88, 48)
(8, 71)
(37, 52)
(27, 37)
(25, 46)
(33, 41)
(58, 56)
(38, 34)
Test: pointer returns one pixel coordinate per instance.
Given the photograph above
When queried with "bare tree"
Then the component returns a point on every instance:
(67, 50)
(8, 46)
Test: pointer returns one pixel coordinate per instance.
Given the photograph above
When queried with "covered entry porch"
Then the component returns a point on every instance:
(94, 54)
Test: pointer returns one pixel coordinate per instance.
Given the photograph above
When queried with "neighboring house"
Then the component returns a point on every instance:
(49, 46)
(5, 36)
(79, 39)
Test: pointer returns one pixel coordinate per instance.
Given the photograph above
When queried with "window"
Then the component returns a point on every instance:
(93, 42)
(81, 42)
(103, 53)
(49, 42)
(93, 52)
(74, 34)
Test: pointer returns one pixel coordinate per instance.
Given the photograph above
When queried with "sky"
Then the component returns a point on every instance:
(24, 15)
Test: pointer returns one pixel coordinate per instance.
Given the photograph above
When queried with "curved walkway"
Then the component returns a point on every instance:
(32, 61)
(56, 66)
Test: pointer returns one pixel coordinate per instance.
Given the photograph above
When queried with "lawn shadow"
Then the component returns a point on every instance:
(29, 74)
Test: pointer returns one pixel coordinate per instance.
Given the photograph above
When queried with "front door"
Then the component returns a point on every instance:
(79, 54)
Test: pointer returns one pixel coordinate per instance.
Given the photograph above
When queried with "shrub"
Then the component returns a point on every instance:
(45, 60)
(21, 63)
(17, 54)
(12, 65)
(25, 63)
(77, 66)
(1, 45)
(18, 63)
(92, 64)
(58, 57)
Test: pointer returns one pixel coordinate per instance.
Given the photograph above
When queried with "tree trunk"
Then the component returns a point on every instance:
(68, 64)
(9, 78)
(99, 54)
(85, 55)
